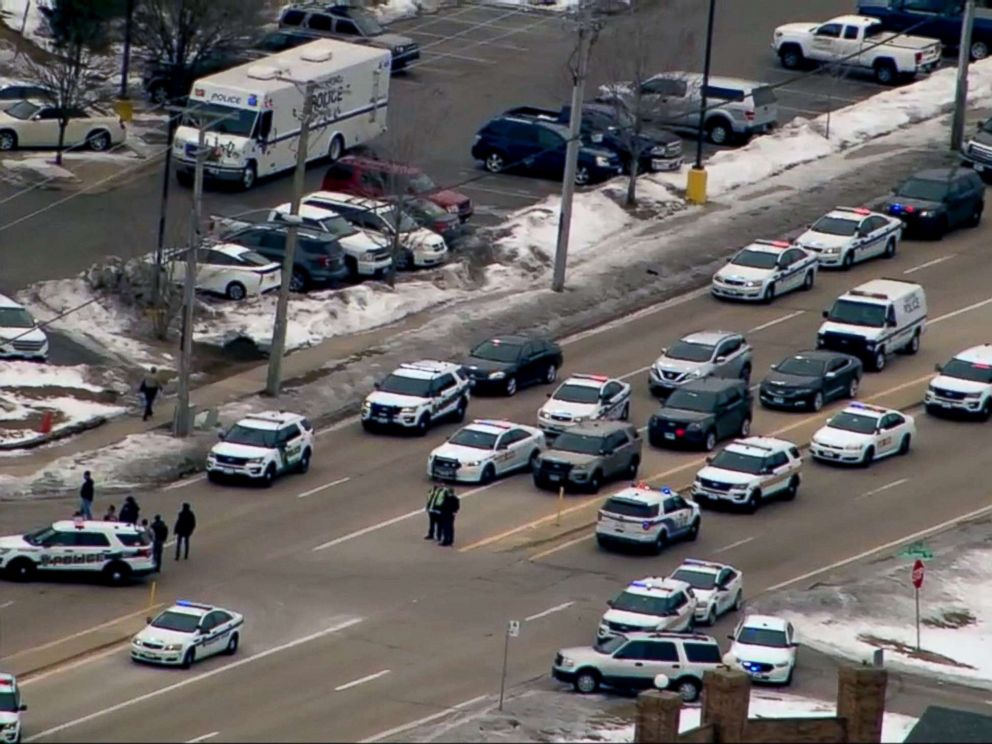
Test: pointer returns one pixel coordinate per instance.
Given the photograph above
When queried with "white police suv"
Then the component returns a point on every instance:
(765, 269)
(20, 336)
(485, 449)
(413, 396)
(719, 588)
(643, 516)
(188, 632)
(11, 708)
(650, 604)
(116, 551)
(862, 433)
(963, 385)
(261, 446)
(846, 235)
(747, 472)
(584, 398)
(764, 646)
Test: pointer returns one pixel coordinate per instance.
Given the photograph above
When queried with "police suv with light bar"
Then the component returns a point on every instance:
(653, 603)
(261, 446)
(964, 385)
(719, 588)
(188, 632)
(486, 449)
(748, 472)
(861, 434)
(11, 708)
(414, 396)
(643, 516)
(847, 235)
(584, 398)
(765, 269)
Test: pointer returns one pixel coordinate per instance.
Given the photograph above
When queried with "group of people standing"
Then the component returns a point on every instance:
(442, 506)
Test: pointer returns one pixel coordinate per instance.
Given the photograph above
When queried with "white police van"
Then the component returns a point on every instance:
(646, 517)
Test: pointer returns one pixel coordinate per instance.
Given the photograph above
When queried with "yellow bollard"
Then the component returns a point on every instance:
(561, 501)
(125, 109)
(151, 599)
(695, 187)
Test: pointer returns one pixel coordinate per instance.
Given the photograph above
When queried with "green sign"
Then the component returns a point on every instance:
(917, 551)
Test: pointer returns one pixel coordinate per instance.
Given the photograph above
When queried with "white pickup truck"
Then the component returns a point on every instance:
(856, 42)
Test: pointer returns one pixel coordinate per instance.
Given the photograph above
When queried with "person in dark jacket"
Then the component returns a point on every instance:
(434, 498)
(185, 524)
(449, 508)
(86, 496)
(149, 389)
(129, 511)
(160, 533)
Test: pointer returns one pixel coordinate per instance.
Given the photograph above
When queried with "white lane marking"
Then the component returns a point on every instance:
(6, 604)
(390, 522)
(339, 425)
(211, 735)
(635, 372)
(324, 487)
(361, 680)
(962, 311)
(551, 611)
(562, 546)
(643, 313)
(886, 487)
(928, 264)
(186, 482)
(421, 721)
(733, 545)
(62, 669)
(192, 680)
(775, 322)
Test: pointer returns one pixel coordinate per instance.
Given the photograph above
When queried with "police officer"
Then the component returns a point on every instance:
(449, 508)
(160, 533)
(129, 511)
(434, 498)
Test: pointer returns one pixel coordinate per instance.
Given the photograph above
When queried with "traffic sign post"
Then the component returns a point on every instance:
(512, 631)
(917, 551)
(919, 570)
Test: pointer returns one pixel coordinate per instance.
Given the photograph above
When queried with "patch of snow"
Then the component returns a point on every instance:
(29, 374)
(396, 10)
(558, 5)
(35, 27)
(39, 166)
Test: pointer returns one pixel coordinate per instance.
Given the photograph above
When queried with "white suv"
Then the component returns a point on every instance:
(413, 396)
(650, 604)
(719, 588)
(642, 516)
(748, 472)
(117, 551)
(11, 708)
(963, 385)
(20, 336)
(261, 446)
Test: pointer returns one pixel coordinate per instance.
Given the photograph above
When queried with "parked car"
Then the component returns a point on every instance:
(376, 179)
(934, 19)
(764, 646)
(650, 604)
(437, 219)
(536, 146)
(281, 39)
(588, 455)
(699, 355)
(507, 363)
(810, 379)
(701, 413)
(977, 151)
(18, 90)
(20, 335)
(934, 202)
(165, 83)
(35, 123)
(227, 269)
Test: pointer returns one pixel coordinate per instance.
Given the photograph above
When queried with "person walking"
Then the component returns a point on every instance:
(183, 529)
(130, 511)
(149, 389)
(160, 533)
(449, 508)
(434, 498)
(111, 515)
(86, 496)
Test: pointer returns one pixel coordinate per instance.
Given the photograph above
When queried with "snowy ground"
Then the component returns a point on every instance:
(12, 13)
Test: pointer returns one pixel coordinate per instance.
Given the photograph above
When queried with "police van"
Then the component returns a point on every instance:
(252, 112)
(875, 320)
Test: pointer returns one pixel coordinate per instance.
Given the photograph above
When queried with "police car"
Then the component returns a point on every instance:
(749, 471)
(11, 708)
(963, 385)
(764, 646)
(643, 516)
(847, 235)
(862, 433)
(485, 449)
(116, 551)
(651, 604)
(584, 398)
(416, 395)
(765, 269)
(261, 446)
(188, 632)
(719, 588)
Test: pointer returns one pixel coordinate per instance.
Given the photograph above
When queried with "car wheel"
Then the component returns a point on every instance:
(886, 73)
(460, 409)
(848, 261)
(299, 281)
(586, 681)
(494, 162)
(746, 373)
(788, 679)
(188, 658)
(625, 413)
(693, 531)
(868, 457)
(718, 132)
(117, 573)
(745, 428)
(268, 476)
(769, 293)
(660, 542)
(304, 465)
(979, 50)
(20, 569)
(904, 445)
(98, 141)
(986, 413)
(817, 403)
(488, 475)
(248, 177)
(976, 215)
(532, 460)
(710, 443)
(511, 386)
(792, 489)
(808, 281)
(336, 149)
(711, 616)
(852, 387)
(232, 645)
(879, 361)
(595, 482)
(213, 477)
(8, 141)
(582, 176)
(890, 249)
(688, 690)
(184, 178)
(941, 229)
(753, 501)
(551, 374)
(738, 601)
(423, 424)
(914, 344)
(791, 57)
(236, 291)
(632, 467)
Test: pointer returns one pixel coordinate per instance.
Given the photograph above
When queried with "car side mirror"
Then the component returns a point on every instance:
(661, 681)
(148, 621)
(664, 349)
(729, 259)
(731, 637)
(826, 314)
(938, 368)
(548, 395)
(221, 436)
(596, 138)
(376, 385)
(610, 603)
(890, 323)
(709, 460)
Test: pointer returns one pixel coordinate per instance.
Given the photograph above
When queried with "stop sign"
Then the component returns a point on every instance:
(918, 571)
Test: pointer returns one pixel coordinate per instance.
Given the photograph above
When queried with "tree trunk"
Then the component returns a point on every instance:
(632, 181)
(63, 123)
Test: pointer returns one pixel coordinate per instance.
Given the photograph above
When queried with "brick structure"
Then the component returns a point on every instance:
(861, 701)
(657, 716)
(726, 697)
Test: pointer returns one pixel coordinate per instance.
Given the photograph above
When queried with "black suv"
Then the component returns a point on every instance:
(507, 363)
(356, 25)
(701, 413)
(318, 258)
(934, 202)
(165, 84)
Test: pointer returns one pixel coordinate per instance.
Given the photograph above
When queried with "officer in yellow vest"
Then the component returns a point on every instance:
(434, 499)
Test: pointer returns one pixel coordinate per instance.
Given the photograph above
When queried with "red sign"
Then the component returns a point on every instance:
(918, 571)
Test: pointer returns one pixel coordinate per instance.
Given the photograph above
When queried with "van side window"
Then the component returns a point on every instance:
(319, 22)
(293, 18)
(890, 315)
(263, 128)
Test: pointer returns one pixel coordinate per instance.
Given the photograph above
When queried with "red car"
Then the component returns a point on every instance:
(376, 179)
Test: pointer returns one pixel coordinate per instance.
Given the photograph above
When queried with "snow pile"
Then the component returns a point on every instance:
(396, 10)
(38, 169)
(35, 27)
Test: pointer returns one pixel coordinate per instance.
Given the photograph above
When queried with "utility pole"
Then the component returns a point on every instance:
(273, 382)
(961, 91)
(126, 59)
(163, 206)
(586, 32)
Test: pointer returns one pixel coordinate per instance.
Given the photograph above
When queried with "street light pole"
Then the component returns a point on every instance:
(961, 90)
(696, 184)
(126, 59)
(163, 206)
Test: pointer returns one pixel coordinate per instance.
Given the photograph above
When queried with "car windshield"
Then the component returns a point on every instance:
(687, 351)
(493, 351)
(425, 208)
(690, 400)
(923, 189)
(755, 259)
(629, 508)
(223, 119)
(39, 537)
(835, 226)
(857, 313)
(737, 461)
(962, 370)
(473, 438)
(337, 226)
(250, 437)
(609, 645)
(696, 579)
(401, 385)
(22, 110)
(986, 126)
(421, 183)
(180, 622)
(255, 259)
(644, 604)
(855, 422)
(367, 23)
(762, 637)
(578, 443)
(407, 223)
(8, 703)
(577, 393)
(15, 317)
(801, 367)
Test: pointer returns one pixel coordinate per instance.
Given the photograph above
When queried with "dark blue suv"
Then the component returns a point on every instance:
(531, 145)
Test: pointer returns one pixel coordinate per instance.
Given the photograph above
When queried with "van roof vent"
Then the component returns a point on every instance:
(263, 72)
(318, 55)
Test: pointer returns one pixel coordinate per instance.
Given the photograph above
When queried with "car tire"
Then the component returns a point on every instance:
(879, 361)
(184, 178)
(719, 132)
(116, 573)
(976, 216)
(586, 681)
(551, 374)
(693, 532)
(532, 460)
(738, 602)
(788, 679)
(817, 403)
(852, 387)
(905, 444)
(299, 281)
(249, 176)
(595, 482)
(625, 413)
(582, 176)
(979, 50)
(791, 57)
(20, 569)
(688, 690)
(632, 466)
(304, 465)
(746, 373)
(986, 413)
(213, 477)
(98, 141)
(460, 410)
(769, 295)
(488, 475)
(886, 72)
(890, 249)
(494, 162)
(660, 543)
(711, 616)
(8, 141)
(269, 476)
(510, 388)
(847, 263)
(808, 281)
(189, 658)
(789, 494)
(423, 424)
(232, 645)
(335, 149)
(941, 229)
(745, 428)
(753, 502)
(914, 344)
(235, 291)
(868, 457)
(709, 444)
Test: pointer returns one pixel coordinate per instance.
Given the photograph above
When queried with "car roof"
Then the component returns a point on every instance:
(71, 525)
(759, 445)
(656, 585)
(769, 246)
(819, 354)
(852, 213)
(709, 338)
(307, 210)
(370, 163)
(882, 289)
(269, 420)
(715, 81)
(643, 494)
(703, 566)
(351, 199)
(425, 369)
(232, 249)
(981, 354)
(493, 426)
(669, 635)
(940, 174)
(197, 609)
(302, 230)
(512, 339)
(865, 409)
(6, 301)
(532, 121)
(771, 622)
(712, 385)
(854, 20)
(599, 428)
(582, 380)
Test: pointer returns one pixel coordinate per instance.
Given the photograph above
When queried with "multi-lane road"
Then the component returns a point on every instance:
(357, 627)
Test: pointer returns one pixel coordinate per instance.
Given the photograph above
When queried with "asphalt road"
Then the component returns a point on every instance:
(477, 62)
(358, 628)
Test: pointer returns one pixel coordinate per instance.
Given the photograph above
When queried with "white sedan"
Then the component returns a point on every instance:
(765, 269)
(764, 646)
(229, 270)
(485, 449)
(847, 235)
(35, 123)
(187, 632)
(861, 434)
